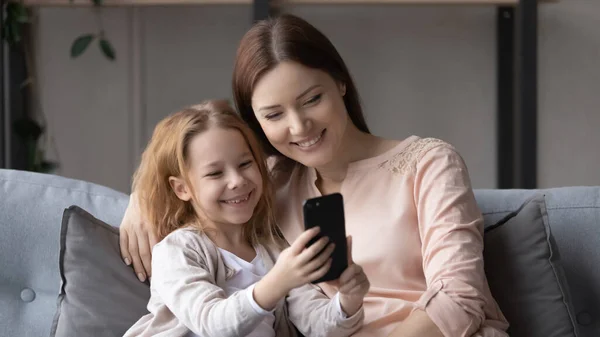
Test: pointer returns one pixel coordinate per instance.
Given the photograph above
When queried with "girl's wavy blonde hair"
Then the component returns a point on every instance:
(167, 155)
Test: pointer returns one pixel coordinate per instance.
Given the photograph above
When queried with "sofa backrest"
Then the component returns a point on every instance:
(32, 205)
(31, 210)
(574, 218)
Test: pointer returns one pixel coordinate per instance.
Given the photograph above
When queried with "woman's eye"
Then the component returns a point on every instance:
(313, 99)
(273, 115)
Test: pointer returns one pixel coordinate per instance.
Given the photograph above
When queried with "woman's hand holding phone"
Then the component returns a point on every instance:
(297, 265)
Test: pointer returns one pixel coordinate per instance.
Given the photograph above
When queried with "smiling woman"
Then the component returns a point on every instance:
(412, 196)
(303, 93)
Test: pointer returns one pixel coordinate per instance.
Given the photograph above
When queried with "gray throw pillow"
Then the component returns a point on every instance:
(524, 272)
(100, 295)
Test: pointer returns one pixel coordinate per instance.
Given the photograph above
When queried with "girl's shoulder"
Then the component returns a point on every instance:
(184, 240)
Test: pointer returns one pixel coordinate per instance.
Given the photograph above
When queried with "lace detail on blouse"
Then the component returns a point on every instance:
(405, 161)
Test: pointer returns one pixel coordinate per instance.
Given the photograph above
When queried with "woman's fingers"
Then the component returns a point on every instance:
(124, 246)
(145, 252)
(138, 266)
(153, 239)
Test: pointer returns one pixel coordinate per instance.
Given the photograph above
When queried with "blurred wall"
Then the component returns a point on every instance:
(425, 70)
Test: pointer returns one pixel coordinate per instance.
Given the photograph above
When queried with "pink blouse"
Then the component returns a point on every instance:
(418, 234)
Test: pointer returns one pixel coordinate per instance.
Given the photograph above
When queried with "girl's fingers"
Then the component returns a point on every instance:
(311, 252)
(300, 243)
(317, 274)
(318, 261)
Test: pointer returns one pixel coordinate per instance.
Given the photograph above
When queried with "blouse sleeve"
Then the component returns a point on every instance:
(451, 231)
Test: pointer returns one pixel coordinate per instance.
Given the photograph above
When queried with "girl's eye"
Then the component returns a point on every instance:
(246, 163)
(313, 99)
(214, 174)
(273, 115)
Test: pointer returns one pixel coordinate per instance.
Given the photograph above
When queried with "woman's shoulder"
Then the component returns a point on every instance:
(404, 155)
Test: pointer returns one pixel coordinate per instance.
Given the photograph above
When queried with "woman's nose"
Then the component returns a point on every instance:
(299, 124)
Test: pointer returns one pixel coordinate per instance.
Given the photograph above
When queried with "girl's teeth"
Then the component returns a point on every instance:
(310, 142)
(237, 201)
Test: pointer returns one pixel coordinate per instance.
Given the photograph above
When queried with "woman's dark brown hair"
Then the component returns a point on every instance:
(287, 38)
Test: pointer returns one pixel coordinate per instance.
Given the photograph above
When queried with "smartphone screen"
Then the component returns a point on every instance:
(327, 212)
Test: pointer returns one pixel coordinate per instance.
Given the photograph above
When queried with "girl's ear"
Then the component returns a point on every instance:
(180, 188)
(342, 87)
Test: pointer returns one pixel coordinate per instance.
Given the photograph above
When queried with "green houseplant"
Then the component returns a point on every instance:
(16, 20)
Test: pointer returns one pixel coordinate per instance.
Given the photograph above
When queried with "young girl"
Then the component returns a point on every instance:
(203, 181)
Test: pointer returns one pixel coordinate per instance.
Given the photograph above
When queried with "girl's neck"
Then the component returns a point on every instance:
(231, 238)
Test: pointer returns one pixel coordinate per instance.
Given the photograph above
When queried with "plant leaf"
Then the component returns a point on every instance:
(5, 33)
(13, 9)
(27, 129)
(14, 32)
(22, 15)
(80, 44)
(47, 166)
(107, 49)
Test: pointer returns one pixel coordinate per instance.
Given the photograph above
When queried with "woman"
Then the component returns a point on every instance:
(410, 208)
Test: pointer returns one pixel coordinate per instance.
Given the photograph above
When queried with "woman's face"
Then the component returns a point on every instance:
(302, 112)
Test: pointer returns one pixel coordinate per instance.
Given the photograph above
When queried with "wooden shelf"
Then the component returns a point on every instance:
(405, 2)
(136, 2)
(249, 2)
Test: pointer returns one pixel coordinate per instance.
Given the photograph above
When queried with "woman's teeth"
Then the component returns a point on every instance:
(310, 142)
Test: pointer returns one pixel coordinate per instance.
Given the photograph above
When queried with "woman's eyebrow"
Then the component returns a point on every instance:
(268, 107)
(307, 91)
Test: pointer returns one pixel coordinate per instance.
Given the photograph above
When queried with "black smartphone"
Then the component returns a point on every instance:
(327, 212)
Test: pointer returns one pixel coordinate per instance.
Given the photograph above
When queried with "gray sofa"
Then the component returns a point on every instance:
(32, 205)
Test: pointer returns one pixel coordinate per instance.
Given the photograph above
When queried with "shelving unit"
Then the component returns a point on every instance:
(249, 2)
(516, 69)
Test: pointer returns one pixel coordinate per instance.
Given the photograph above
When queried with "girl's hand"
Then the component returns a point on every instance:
(353, 285)
(296, 266)
(136, 240)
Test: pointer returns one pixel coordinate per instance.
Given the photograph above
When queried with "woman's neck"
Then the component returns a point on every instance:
(356, 146)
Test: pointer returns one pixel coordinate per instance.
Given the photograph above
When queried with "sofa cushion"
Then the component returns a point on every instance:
(31, 209)
(525, 275)
(100, 295)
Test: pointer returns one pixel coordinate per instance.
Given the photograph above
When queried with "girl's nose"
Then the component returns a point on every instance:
(237, 180)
